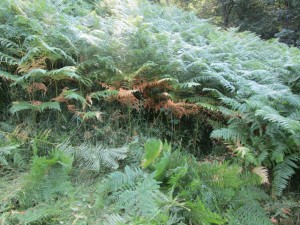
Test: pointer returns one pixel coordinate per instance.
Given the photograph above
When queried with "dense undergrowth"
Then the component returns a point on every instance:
(89, 89)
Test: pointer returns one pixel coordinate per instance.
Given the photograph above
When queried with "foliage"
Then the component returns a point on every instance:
(135, 193)
(85, 83)
(94, 158)
(49, 177)
(269, 19)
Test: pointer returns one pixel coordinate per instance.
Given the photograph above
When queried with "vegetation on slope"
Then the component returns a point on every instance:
(85, 85)
(267, 18)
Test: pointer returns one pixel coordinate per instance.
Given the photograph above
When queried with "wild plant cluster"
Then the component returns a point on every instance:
(89, 89)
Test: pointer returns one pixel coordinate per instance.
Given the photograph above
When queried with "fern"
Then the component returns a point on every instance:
(251, 214)
(103, 94)
(5, 152)
(134, 192)
(71, 94)
(8, 76)
(8, 59)
(36, 107)
(35, 75)
(201, 215)
(49, 177)
(95, 158)
(48, 105)
(272, 116)
(67, 72)
(228, 134)
(20, 106)
(282, 173)
(41, 213)
(7, 43)
(153, 149)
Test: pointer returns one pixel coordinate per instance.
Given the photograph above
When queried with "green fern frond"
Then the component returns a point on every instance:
(250, 214)
(49, 177)
(115, 219)
(6, 151)
(153, 148)
(249, 194)
(71, 94)
(273, 116)
(162, 165)
(67, 72)
(40, 107)
(30, 55)
(234, 104)
(246, 154)
(295, 115)
(48, 105)
(228, 134)
(95, 157)
(208, 106)
(8, 59)
(103, 94)
(283, 172)
(279, 152)
(21, 106)
(185, 85)
(199, 214)
(203, 99)
(292, 99)
(8, 43)
(41, 213)
(121, 181)
(134, 192)
(35, 75)
(8, 76)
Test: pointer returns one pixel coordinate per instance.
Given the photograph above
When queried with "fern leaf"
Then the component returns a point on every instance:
(262, 172)
(153, 148)
(103, 94)
(8, 76)
(95, 157)
(283, 172)
(7, 43)
(134, 192)
(187, 85)
(67, 72)
(20, 106)
(49, 105)
(250, 214)
(93, 115)
(6, 151)
(115, 219)
(33, 75)
(199, 214)
(8, 59)
(273, 116)
(228, 134)
(71, 94)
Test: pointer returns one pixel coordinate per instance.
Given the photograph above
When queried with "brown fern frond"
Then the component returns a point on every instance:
(39, 63)
(72, 108)
(106, 86)
(147, 87)
(36, 87)
(59, 98)
(178, 109)
(126, 97)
